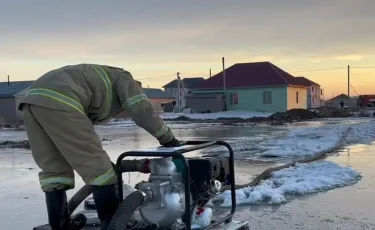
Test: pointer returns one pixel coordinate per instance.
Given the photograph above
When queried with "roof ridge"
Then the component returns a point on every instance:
(278, 73)
(257, 62)
(308, 80)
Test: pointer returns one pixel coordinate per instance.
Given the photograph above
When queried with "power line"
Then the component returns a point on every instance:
(354, 89)
(157, 77)
(196, 73)
(299, 71)
(364, 67)
(313, 70)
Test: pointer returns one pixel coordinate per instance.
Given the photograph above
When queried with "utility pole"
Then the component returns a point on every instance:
(224, 86)
(8, 81)
(348, 87)
(178, 92)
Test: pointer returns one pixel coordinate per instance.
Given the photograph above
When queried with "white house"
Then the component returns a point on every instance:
(335, 101)
(187, 83)
(314, 92)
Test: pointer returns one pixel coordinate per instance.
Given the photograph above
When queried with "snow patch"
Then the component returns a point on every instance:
(298, 180)
(363, 133)
(307, 141)
(304, 141)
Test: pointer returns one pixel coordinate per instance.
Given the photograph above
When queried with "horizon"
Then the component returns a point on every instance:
(155, 40)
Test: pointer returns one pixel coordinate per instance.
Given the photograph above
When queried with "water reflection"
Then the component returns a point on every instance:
(20, 174)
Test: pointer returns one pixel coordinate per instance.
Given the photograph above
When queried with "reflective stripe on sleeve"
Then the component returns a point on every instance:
(104, 178)
(58, 97)
(134, 100)
(162, 131)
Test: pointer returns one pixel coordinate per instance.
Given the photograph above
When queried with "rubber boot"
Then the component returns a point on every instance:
(106, 203)
(58, 215)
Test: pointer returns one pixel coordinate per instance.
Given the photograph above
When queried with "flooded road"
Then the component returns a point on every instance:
(344, 208)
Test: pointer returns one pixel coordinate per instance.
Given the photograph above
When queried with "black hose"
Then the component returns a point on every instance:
(78, 198)
(125, 211)
(85, 191)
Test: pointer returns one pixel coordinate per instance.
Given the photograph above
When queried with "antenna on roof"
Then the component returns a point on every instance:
(8, 80)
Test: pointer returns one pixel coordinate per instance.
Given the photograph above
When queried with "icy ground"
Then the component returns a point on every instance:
(21, 198)
(304, 178)
(304, 141)
(207, 116)
(299, 180)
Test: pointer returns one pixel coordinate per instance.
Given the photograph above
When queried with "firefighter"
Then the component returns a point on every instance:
(59, 110)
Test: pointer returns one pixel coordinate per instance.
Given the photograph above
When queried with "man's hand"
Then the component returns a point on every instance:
(173, 143)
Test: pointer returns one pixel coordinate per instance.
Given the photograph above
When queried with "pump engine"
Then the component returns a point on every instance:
(166, 187)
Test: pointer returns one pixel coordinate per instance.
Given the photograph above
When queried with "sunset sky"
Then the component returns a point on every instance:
(154, 39)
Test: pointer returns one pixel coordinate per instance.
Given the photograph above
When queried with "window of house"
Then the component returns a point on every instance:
(297, 97)
(233, 98)
(267, 97)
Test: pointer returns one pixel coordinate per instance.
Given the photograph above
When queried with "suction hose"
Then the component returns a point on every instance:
(85, 191)
(126, 209)
(78, 198)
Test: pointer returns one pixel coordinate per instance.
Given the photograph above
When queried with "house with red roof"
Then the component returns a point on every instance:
(258, 86)
(314, 92)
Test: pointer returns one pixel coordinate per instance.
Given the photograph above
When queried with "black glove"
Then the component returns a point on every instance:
(173, 143)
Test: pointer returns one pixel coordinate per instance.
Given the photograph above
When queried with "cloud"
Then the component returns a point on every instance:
(188, 32)
(350, 57)
(317, 60)
(344, 57)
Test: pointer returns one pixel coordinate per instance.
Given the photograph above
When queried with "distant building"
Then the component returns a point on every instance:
(335, 101)
(159, 98)
(366, 101)
(188, 83)
(314, 92)
(8, 111)
(258, 86)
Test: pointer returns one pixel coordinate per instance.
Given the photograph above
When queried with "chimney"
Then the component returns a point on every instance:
(8, 81)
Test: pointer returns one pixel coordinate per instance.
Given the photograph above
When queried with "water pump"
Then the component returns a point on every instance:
(175, 195)
(166, 189)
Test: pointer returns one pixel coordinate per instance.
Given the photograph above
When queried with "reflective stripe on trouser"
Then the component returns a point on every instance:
(57, 97)
(108, 86)
(72, 143)
(108, 176)
(48, 183)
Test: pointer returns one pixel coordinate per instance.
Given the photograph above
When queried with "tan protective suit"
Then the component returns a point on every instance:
(59, 110)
